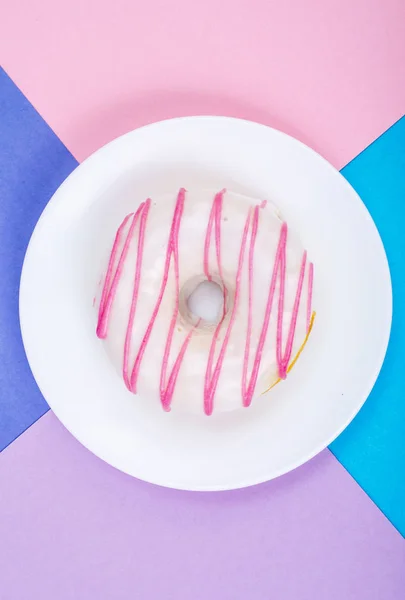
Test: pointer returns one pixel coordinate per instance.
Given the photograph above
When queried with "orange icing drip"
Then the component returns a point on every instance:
(296, 357)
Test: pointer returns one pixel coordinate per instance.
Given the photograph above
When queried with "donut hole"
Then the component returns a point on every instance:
(201, 303)
(206, 302)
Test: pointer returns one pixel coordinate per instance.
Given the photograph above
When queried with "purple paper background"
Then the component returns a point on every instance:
(76, 529)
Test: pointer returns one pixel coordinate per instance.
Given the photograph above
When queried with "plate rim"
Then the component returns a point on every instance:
(52, 202)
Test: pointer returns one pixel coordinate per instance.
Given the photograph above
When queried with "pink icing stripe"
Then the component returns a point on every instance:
(250, 301)
(110, 267)
(107, 298)
(218, 216)
(215, 216)
(174, 228)
(208, 240)
(247, 395)
(166, 391)
(211, 355)
(212, 382)
(109, 274)
(283, 360)
(219, 200)
(309, 301)
(167, 394)
(279, 265)
(139, 257)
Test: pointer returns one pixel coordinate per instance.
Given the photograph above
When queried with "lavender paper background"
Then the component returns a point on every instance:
(73, 528)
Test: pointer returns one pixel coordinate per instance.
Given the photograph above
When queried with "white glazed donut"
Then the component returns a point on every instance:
(160, 255)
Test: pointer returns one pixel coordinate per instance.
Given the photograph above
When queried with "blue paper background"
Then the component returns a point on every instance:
(372, 448)
(33, 163)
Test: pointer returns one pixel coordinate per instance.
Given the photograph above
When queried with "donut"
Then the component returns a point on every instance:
(260, 278)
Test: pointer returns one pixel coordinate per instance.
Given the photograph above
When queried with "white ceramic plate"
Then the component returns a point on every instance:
(334, 375)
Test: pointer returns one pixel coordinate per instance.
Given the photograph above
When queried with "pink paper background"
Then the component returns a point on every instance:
(326, 71)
